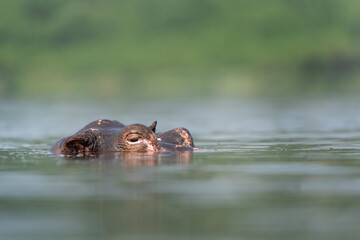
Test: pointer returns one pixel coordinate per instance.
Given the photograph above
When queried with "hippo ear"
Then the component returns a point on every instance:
(75, 145)
(153, 126)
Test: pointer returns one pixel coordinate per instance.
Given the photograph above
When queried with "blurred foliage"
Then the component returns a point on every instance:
(160, 48)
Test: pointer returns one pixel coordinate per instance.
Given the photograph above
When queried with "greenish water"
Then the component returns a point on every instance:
(266, 170)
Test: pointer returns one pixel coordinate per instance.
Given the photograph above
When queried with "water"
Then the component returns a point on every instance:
(266, 170)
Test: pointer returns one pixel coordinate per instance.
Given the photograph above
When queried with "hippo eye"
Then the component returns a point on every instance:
(133, 138)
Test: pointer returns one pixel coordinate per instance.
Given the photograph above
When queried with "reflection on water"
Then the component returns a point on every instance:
(134, 158)
(266, 170)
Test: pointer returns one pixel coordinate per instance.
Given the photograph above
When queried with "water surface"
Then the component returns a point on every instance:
(266, 170)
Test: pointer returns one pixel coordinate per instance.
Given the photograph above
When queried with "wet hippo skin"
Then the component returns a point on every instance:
(104, 135)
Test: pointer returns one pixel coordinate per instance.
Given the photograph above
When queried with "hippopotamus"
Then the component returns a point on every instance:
(103, 136)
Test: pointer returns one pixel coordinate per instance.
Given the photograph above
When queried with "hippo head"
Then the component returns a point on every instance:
(103, 136)
(95, 138)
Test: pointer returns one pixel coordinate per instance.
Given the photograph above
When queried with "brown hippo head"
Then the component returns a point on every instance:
(103, 136)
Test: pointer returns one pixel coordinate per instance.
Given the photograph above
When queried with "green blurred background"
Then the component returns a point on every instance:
(62, 49)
